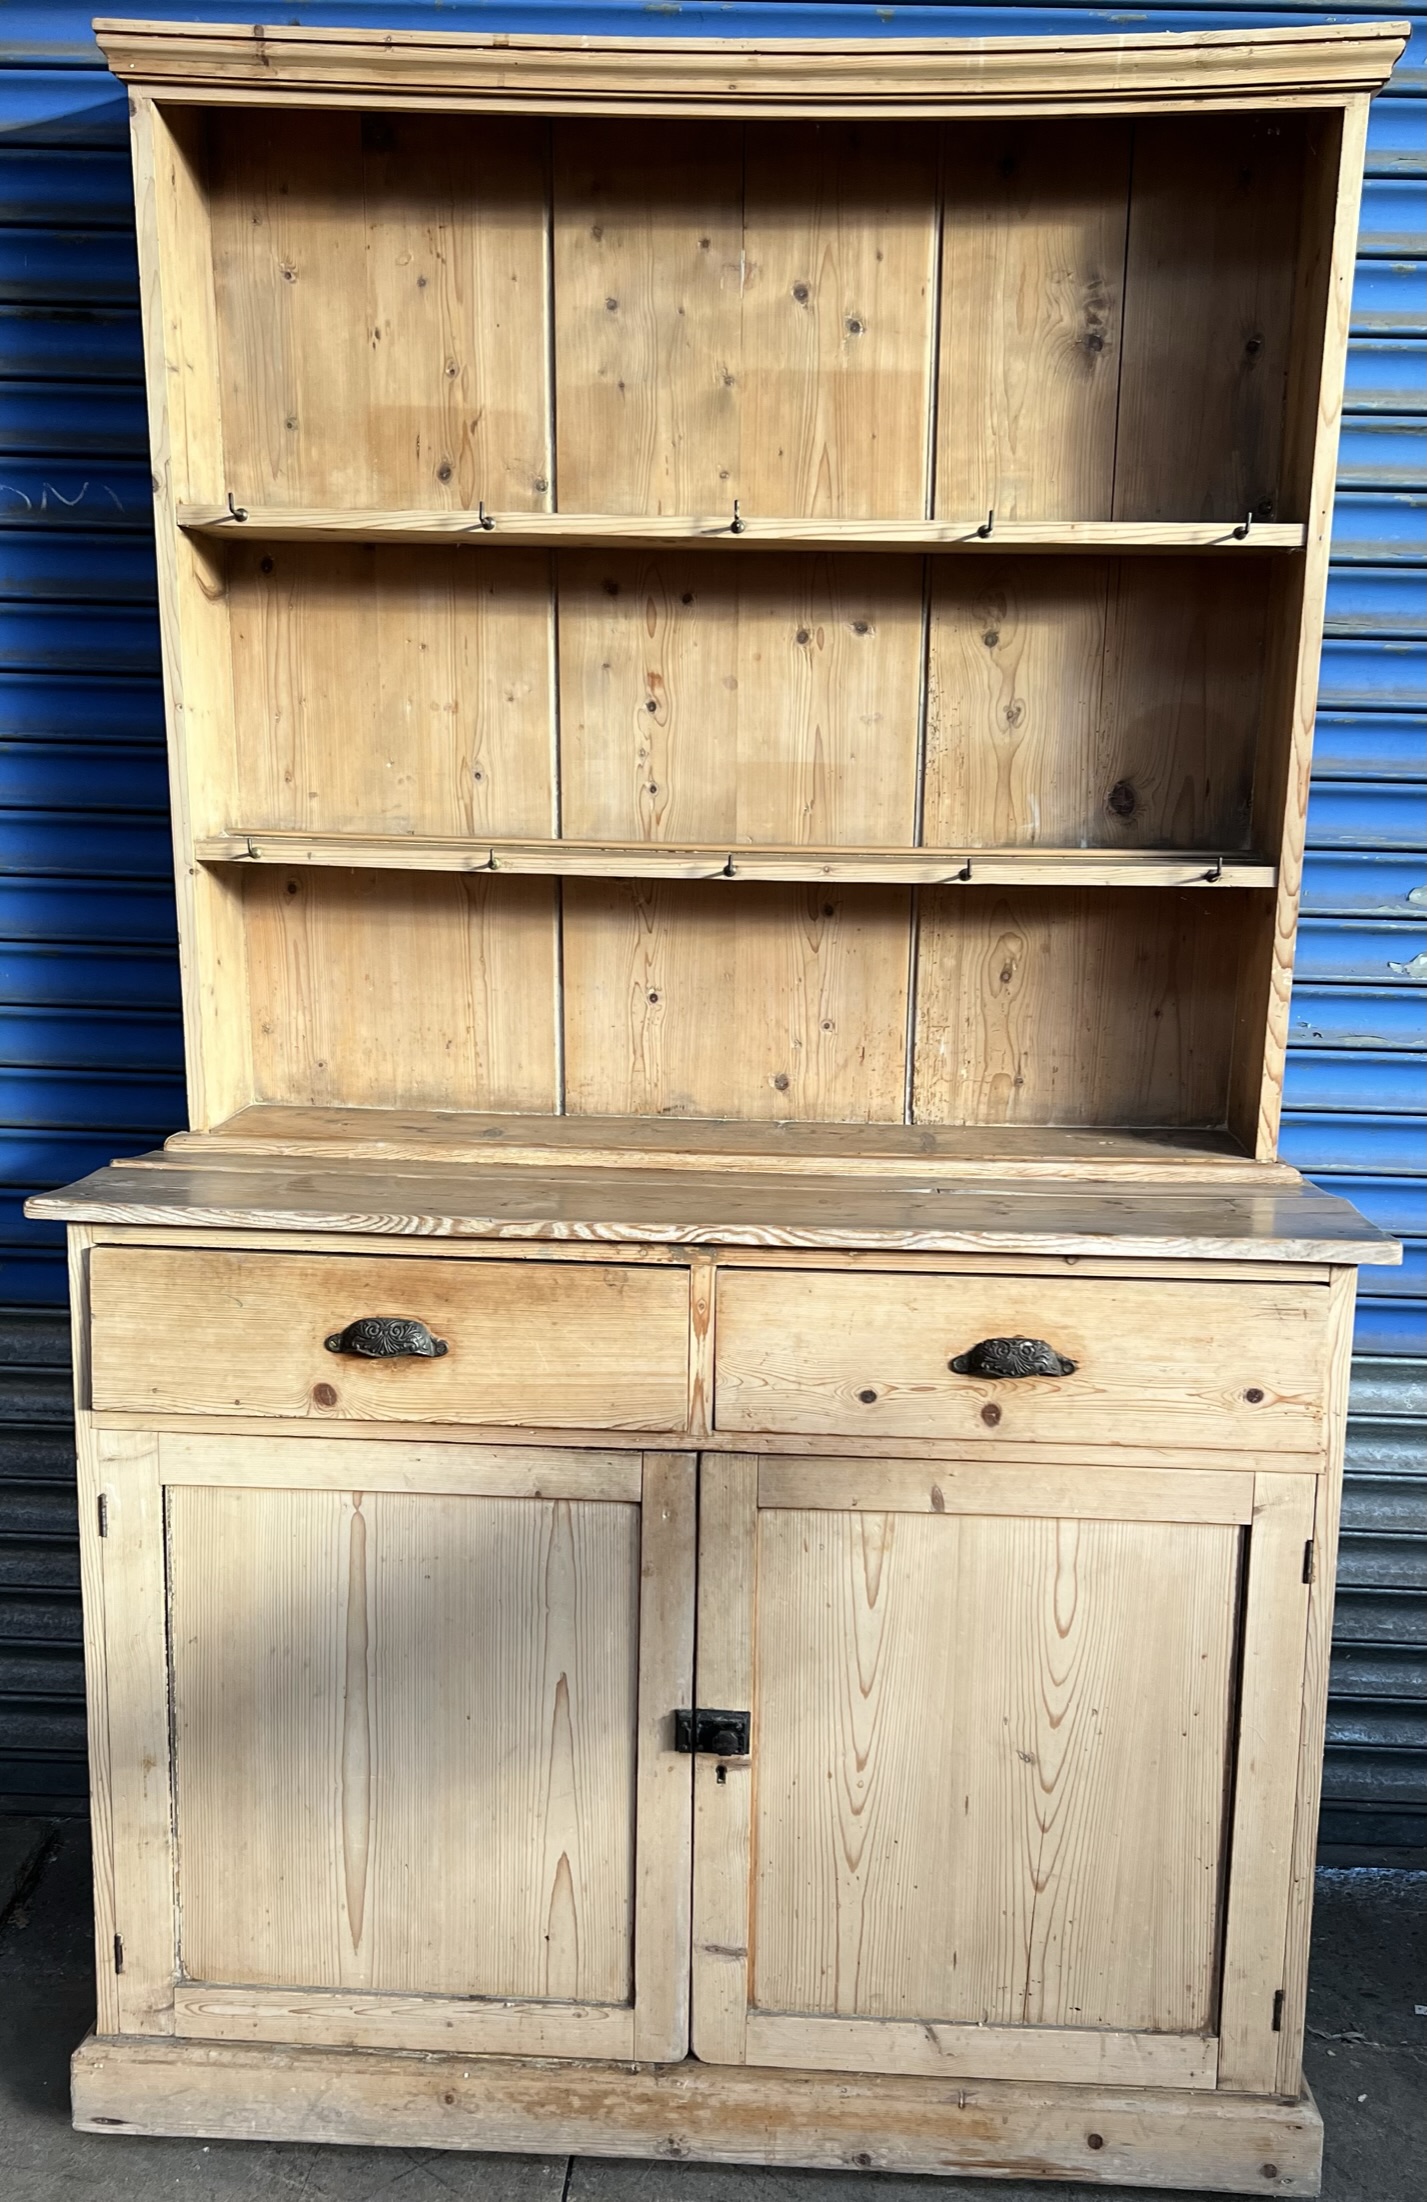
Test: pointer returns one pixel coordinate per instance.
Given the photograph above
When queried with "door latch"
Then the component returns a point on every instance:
(722, 1735)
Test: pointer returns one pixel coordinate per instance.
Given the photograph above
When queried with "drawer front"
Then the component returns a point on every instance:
(1156, 1362)
(577, 1345)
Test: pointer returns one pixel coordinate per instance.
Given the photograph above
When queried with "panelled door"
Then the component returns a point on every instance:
(421, 1791)
(985, 1826)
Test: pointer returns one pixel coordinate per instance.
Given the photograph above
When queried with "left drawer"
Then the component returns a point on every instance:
(544, 1344)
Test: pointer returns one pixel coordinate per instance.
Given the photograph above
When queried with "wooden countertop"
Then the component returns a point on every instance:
(1288, 1222)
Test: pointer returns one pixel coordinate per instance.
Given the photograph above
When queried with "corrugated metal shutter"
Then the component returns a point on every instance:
(90, 1057)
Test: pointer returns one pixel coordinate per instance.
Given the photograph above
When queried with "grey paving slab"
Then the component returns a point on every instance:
(22, 1845)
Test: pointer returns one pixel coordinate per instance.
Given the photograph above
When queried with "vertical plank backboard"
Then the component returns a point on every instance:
(402, 989)
(1033, 263)
(137, 1703)
(761, 699)
(1209, 280)
(765, 1002)
(840, 245)
(648, 278)
(392, 690)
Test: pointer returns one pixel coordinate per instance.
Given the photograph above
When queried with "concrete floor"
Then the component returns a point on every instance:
(1367, 2060)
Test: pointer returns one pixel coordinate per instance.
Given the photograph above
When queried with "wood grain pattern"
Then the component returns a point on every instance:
(1075, 1006)
(401, 990)
(1032, 1870)
(1084, 2056)
(473, 2026)
(724, 1790)
(1209, 280)
(528, 1342)
(136, 1703)
(771, 701)
(870, 1355)
(424, 1707)
(840, 245)
(1119, 1493)
(1032, 272)
(1088, 704)
(1270, 1721)
(644, 1207)
(782, 1002)
(312, 1463)
(663, 1924)
(391, 691)
(710, 2113)
(381, 308)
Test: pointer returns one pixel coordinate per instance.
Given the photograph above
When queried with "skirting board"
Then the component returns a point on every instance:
(1229, 2144)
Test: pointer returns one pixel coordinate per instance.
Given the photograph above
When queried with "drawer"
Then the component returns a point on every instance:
(1157, 1362)
(572, 1345)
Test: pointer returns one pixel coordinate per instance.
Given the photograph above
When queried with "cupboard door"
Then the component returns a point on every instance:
(424, 1793)
(983, 1827)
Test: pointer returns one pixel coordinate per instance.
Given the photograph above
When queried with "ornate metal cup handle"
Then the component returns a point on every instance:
(1012, 1357)
(386, 1338)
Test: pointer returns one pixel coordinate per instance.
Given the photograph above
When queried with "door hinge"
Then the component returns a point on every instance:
(1278, 2010)
(118, 1953)
(1308, 1561)
(722, 1735)
(102, 1510)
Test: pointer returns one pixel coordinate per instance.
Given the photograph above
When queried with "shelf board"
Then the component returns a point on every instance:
(592, 530)
(268, 1130)
(646, 860)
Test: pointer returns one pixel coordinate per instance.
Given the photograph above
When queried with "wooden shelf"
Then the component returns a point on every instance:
(268, 1130)
(645, 860)
(591, 530)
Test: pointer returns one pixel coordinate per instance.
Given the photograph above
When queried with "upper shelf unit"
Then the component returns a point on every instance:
(883, 330)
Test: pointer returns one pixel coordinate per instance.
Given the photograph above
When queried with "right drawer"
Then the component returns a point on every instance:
(1158, 1362)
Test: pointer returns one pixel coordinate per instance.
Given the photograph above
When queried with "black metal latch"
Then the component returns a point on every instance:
(722, 1735)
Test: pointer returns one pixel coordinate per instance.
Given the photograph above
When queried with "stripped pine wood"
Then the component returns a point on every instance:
(574, 1344)
(723, 1791)
(458, 2025)
(648, 265)
(646, 77)
(381, 308)
(569, 529)
(872, 1355)
(785, 1003)
(774, 701)
(716, 2114)
(1060, 1007)
(92, 1506)
(187, 459)
(1084, 2056)
(1260, 1891)
(1020, 1875)
(663, 1924)
(1318, 1652)
(1032, 274)
(458, 1674)
(456, 1470)
(1120, 1493)
(840, 253)
(1093, 704)
(136, 1705)
(1208, 288)
(391, 692)
(401, 990)
(261, 1136)
(648, 1207)
(715, 862)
